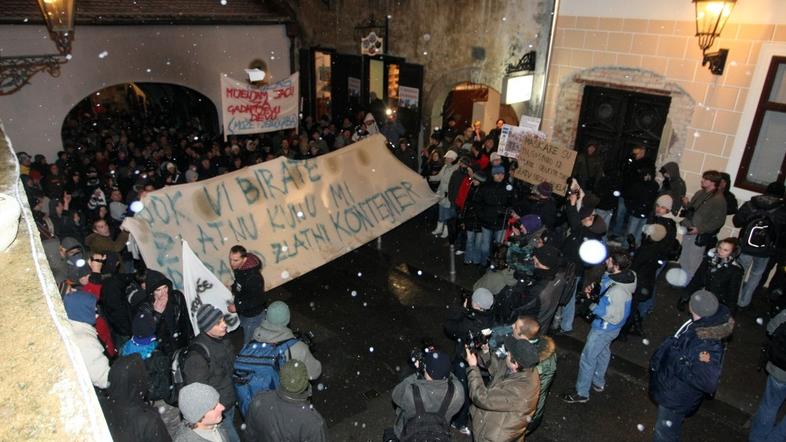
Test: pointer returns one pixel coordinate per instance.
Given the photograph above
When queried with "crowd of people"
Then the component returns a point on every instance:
(159, 378)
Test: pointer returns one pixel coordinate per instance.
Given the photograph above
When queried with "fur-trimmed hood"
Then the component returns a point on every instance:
(546, 347)
(716, 327)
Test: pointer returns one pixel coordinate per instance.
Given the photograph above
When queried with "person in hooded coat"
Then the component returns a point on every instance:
(129, 417)
(274, 330)
(673, 185)
(168, 307)
(248, 290)
(80, 308)
(686, 367)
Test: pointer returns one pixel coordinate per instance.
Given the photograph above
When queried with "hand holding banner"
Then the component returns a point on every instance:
(201, 286)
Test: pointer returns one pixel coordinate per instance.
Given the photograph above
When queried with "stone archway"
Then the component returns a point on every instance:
(441, 87)
(571, 91)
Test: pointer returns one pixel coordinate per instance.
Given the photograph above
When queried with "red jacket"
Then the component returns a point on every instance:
(102, 326)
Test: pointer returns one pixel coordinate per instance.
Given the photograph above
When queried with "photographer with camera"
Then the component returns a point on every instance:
(427, 400)
(610, 311)
(467, 328)
(503, 409)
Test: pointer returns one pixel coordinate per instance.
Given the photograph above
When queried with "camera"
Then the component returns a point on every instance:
(476, 341)
(417, 357)
(307, 337)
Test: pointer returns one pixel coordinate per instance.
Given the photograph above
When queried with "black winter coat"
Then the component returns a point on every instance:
(494, 199)
(129, 418)
(773, 207)
(722, 278)
(217, 371)
(173, 327)
(249, 287)
(633, 172)
(678, 379)
(640, 198)
(650, 256)
(115, 303)
(280, 416)
(580, 233)
(458, 327)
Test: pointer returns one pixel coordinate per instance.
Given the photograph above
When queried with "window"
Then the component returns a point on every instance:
(765, 150)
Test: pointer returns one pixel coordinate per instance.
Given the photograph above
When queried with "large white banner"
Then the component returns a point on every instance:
(249, 109)
(201, 286)
(294, 215)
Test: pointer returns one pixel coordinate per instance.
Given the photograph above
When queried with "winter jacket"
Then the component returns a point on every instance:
(114, 303)
(469, 320)
(650, 256)
(547, 369)
(173, 326)
(129, 417)
(545, 208)
(217, 372)
(633, 172)
(674, 186)
(185, 434)
(709, 212)
(270, 333)
(249, 288)
(777, 350)
(722, 277)
(431, 392)
(679, 381)
(102, 325)
(613, 308)
(580, 233)
(281, 416)
(495, 280)
(157, 364)
(470, 215)
(501, 411)
(408, 157)
(640, 198)
(86, 339)
(443, 177)
(494, 199)
(102, 244)
(549, 289)
(770, 205)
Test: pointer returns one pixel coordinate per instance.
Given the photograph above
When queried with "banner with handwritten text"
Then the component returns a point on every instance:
(295, 215)
(249, 109)
(539, 161)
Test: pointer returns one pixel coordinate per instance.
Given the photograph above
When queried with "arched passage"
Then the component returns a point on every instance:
(151, 104)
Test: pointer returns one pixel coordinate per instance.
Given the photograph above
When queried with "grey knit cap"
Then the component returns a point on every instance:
(195, 400)
(207, 317)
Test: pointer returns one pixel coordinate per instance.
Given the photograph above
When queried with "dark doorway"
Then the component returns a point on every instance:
(617, 120)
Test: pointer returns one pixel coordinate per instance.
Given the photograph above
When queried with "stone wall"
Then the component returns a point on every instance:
(441, 35)
(47, 394)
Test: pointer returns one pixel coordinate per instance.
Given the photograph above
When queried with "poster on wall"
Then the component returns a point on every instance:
(408, 97)
(249, 109)
(295, 215)
(353, 86)
(539, 161)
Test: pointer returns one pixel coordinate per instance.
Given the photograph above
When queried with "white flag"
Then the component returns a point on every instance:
(201, 286)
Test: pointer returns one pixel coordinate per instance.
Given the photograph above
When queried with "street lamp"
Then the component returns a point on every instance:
(16, 71)
(711, 17)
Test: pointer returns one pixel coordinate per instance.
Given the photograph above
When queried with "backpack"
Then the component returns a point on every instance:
(178, 361)
(256, 369)
(759, 234)
(425, 426)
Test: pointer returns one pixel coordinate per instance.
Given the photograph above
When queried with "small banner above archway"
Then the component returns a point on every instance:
(294, 215)
(250, 109)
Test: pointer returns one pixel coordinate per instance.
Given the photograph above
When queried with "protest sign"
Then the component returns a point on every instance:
(539, 161)
(408, 97)
(294, 215)
(201, 286)
(511, 138)
(531, 123)
(249, 109)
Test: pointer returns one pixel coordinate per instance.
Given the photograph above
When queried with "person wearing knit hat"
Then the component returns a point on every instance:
(274, 329)
(498, 170)
(514, 382)
(665, 201)
(210, 361)
(548, 256)
(286, 413)
(202, 414)
(80, 308)
(586, 212)
(433, 382)
(207, 317)
(530, 223)
(544, 189)
(143, 340)
(482, 299)
(687, 366)
(703, 303)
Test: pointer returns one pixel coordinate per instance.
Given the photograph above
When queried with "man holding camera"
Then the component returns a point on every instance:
(502, 410)
(610, 312)
(432, 386)
(475, 317)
